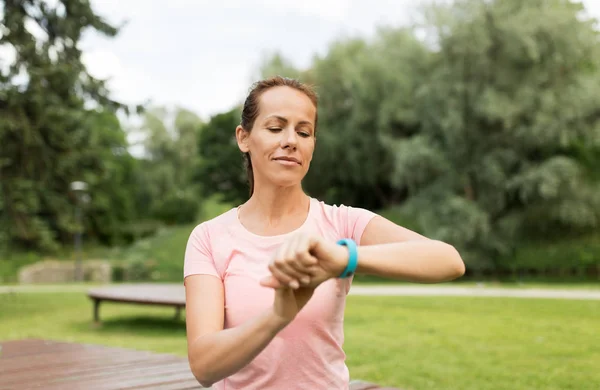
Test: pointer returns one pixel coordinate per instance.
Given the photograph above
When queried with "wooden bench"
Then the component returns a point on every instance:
(141, 294)
(58, 365)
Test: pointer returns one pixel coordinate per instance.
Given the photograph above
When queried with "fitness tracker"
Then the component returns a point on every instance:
(352, 258)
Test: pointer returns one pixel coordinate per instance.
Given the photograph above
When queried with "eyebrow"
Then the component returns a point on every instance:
(284, 120)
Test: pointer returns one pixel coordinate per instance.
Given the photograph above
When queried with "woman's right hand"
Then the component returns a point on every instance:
(288, 302)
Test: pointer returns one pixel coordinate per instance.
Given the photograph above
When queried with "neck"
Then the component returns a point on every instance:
(273, 204)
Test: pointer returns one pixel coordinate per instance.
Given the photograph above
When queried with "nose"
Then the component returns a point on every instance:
(289, 139)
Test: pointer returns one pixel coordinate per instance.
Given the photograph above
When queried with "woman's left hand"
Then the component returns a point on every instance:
(305, 261)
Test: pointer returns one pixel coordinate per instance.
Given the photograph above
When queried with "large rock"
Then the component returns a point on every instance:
(54, 271)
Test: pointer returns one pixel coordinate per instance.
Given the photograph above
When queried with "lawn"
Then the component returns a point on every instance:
(410, 342)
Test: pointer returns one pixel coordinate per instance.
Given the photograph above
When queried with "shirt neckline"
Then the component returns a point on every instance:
(243, 230)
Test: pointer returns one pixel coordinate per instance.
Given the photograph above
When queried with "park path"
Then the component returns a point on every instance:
(507, 292)
(388, 290)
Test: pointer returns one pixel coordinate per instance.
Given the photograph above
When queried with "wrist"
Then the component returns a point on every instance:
(341, 256)
(275, 322)
(368, 260)
(350, 262)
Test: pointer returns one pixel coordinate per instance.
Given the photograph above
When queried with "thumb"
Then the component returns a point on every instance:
(270, 281)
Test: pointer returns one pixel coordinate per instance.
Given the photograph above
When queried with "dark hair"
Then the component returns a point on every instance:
(251, 109)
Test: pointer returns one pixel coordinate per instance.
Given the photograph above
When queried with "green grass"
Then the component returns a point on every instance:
(67, 316)
(474, 343)
(410, 342)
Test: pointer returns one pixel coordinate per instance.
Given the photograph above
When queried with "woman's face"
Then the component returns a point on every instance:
(282, 140)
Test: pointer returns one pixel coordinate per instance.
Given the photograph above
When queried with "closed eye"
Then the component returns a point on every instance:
(303, 134)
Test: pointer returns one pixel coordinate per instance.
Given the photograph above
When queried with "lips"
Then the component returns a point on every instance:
(289, 159)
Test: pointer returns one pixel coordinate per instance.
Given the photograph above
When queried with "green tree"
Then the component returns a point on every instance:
(366, 94)
(111, 180)
(221, 169)
(484, 130)
(506, 114)
(57, 125)
(171, 158)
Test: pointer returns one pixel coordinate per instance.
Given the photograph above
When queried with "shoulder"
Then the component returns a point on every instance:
(340, 210)
(347, 220)
(214, 226)
(204, 246)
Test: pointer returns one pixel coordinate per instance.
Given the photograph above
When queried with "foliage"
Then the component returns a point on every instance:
(221, 170)
(365, 93)
(57, 126)
(505, 113)
(479, 126)
(485, 129)
(166, 189)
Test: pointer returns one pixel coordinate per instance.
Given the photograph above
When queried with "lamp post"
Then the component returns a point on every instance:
(79, 188)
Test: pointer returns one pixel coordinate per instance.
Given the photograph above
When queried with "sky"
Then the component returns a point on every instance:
(204, 54)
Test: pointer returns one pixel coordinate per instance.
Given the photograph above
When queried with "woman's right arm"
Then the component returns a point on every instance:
(215, 353)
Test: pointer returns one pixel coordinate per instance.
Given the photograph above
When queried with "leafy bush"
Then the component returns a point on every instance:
(178, 208)
(142, 229)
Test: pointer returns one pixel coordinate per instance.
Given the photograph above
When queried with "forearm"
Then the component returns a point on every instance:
(423, 261)
(218, 355)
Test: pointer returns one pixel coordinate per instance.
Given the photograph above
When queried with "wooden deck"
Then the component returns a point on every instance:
(56, 365)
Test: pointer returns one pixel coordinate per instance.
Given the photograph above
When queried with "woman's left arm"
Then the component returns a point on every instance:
(392, 251)
(385, 249)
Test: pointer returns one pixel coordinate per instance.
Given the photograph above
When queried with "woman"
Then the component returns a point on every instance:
(266, 282)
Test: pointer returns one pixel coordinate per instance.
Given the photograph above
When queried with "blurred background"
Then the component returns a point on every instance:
(476, 122)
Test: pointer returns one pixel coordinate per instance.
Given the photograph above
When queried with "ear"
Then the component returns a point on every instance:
(241, 136)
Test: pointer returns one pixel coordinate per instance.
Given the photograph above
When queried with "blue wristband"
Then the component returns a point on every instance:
(352, 259)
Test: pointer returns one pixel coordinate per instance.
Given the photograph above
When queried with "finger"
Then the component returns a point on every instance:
(298, 255)
(283, 277)
(271, 281)
(304, 262)
(284, 273)
(306, 272)
(287, 267)
(291, 261)
(303, 251)
(303, 277)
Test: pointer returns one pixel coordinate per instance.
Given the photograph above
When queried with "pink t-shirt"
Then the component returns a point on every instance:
(308, 353)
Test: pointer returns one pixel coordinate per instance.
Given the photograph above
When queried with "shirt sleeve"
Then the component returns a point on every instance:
(354, 220)
(198, 257)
